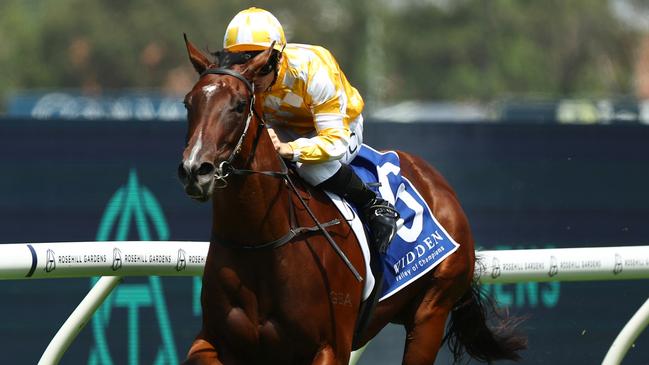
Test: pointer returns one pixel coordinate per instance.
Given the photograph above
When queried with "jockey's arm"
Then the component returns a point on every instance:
(325, 93)
(329, 144)
(326, 96)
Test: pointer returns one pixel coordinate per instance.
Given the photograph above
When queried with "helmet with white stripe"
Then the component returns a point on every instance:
(253, 29)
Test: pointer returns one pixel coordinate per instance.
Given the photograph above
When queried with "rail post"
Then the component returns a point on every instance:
(78, 319)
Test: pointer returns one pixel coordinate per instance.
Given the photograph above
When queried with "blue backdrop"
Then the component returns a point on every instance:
(522, 186)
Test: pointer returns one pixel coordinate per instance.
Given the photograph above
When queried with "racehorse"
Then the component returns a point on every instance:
(276, 293)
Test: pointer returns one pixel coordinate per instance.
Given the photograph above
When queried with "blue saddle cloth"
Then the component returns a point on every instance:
(421, 242)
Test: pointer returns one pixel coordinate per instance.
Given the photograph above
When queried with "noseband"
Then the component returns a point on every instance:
(225, 168)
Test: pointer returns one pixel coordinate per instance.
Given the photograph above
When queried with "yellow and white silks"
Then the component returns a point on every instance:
(313, 106)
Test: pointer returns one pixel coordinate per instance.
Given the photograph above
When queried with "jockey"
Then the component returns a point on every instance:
(313, 113)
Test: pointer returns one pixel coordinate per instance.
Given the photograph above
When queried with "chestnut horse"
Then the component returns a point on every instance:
(265, 302)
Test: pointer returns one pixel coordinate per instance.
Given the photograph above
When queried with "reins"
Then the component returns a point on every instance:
(225, 168)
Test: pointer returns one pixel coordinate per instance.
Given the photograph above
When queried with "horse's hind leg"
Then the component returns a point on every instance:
(448, 282)
(424, 334)
(202, 352)
(425, 325)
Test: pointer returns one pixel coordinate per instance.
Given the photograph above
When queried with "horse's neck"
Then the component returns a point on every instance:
(252, 209)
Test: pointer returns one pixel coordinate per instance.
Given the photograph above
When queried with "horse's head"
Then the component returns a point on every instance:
(219, 110)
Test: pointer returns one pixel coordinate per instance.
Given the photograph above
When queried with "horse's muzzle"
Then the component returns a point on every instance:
(197, 180)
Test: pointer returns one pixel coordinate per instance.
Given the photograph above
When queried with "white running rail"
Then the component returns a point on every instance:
(85, 259)
(181, 258)
(184, 258)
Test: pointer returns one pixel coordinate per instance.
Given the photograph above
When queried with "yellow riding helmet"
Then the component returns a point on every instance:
(253, 29)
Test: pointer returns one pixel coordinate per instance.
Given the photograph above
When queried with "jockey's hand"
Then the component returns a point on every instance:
(283, 149)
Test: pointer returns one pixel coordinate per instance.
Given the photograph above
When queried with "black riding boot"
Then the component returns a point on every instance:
(380, 215)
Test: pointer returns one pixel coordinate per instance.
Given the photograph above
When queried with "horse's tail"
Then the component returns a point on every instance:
(468, 331)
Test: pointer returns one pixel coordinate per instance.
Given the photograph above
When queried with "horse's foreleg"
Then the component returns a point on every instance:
(326, 356)
(202, 353)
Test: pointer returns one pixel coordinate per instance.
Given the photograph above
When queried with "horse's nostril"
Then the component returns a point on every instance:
(206, 168)
(182, 172)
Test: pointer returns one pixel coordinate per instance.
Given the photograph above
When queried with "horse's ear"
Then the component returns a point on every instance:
(253, 66)
(198, 59)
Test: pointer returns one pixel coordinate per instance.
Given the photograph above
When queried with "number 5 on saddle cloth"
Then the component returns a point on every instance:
(421, 243)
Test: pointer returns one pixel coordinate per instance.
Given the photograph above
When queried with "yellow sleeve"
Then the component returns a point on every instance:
(330, 144)
(328, 100)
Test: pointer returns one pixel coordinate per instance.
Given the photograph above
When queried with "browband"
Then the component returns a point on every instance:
(225, 71)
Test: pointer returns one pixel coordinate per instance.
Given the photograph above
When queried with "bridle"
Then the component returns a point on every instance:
(224, 169)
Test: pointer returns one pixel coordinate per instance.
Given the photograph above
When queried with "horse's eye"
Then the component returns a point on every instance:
(241, 106)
